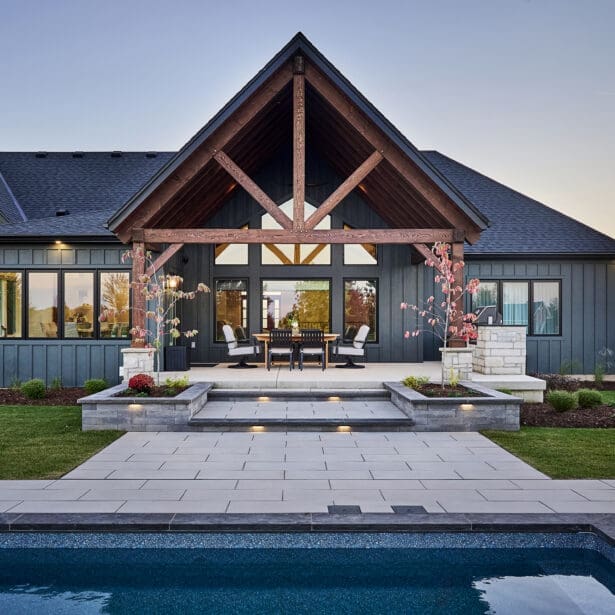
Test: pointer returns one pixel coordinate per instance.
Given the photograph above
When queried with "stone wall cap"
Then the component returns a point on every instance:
(137, 350)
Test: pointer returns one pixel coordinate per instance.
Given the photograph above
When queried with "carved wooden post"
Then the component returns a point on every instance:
(138, 299)
(457, 257)
(298, 142)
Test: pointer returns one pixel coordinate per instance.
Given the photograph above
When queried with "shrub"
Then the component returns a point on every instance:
(177, 383)
(15, 384)
(56, 384)
(33, 389)
(557, 382)
(588, 398)
(141, 383)
(415, 382)
(599, 372)
(453, 378)
(570, 367)
(95, 385)
(562, 401)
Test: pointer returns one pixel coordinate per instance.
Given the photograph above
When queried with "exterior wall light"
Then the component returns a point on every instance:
(344, 428)
(466, 407)
(257, 428)
(135, 407)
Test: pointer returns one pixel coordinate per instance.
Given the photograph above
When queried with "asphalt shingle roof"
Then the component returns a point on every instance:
(9, 208)
(94, 187)
(96, 181)
(519, 224)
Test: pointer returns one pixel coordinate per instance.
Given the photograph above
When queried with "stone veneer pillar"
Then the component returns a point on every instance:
(137, 361)
(458, 361)
(500, 350)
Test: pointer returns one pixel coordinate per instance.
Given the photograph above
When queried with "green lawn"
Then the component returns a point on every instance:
(608, 397)
(562, 452)
(45, 441)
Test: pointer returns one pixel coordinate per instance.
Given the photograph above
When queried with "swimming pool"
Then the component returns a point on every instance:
(306, 573)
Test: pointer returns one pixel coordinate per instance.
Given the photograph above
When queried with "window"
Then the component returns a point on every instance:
(360, 253)
(232, 308)
(78, 304)
(295, 254)
(43, 304)
(487, 295)
(545, 308)
(10, 304)
(231, 253)
(515, 303)
(306, 302)
(114, 313)
(360, 307)
(514, 298)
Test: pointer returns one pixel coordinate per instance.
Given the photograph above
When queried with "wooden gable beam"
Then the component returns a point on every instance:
(424, 251)
(298, 143)
(164, 257)
(253, 189)
(414, 176)
(271, 236)
(201, 157)
(351, 182)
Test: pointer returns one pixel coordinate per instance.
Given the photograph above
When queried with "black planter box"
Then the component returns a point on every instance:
(175, 359)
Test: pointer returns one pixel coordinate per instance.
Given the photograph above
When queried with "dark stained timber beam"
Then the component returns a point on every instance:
(424, 251)
(160, 197)
(164, 257)
(138, 298)
(253, 189)
(412, 174)
(298, 143)
(226, 235)
(351, 182)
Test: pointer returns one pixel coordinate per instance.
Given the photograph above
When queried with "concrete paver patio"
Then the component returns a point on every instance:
(278, 472)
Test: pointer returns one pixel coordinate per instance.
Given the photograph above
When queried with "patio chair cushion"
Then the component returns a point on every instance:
(242, 350)
(280, 350)
(349, 351)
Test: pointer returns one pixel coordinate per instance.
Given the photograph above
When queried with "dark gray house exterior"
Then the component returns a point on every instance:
(61, 267)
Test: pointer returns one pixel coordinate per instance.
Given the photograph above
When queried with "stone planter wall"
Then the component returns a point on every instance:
(136, 361)
(104, 411)
(458, 361)
(500, 350)
(497, 411)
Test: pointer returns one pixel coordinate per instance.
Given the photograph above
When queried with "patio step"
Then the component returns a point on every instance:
(273, 395)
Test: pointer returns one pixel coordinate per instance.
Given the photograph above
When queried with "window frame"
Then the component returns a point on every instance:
(295, 279)
(59, 272)
(214, 312)
(345, 264)
(376, 281)
(24, 304)
(530, 296)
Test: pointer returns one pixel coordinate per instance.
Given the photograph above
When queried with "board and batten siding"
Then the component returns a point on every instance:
(587, 306)
(71, 360)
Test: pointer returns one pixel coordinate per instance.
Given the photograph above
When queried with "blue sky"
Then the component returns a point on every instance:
(521, 90)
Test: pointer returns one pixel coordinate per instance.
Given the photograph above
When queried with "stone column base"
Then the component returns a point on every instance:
(457, 361)
(500, 350)
(136, 361)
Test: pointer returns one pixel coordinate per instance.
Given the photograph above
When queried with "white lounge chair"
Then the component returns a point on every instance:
(356, 349)
(239, 351)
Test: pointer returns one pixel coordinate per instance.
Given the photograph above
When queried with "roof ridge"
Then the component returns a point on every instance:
(13, 198)
(521, 194)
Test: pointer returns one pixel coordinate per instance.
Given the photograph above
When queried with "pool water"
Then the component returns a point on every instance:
(212, 574)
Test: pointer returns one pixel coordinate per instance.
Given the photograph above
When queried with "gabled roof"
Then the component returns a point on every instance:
(520, 225)
(43, 183)
(299, 44)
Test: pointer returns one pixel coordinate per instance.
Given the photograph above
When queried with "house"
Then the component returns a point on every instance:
(298, 200)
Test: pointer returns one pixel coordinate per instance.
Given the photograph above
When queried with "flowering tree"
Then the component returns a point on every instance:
(161, 293)
(446, 319)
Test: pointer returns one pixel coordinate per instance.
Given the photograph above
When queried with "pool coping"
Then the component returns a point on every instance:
(601, 524)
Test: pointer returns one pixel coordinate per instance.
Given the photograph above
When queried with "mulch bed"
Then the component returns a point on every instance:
(543, 415)
(435, 390)
(62, 397)
(155, 392)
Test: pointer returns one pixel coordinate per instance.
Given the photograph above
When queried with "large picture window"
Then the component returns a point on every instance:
(535, 304)
(545, 308)
(43, 304)
(114, 313)
(360, 301)
(232, 308)
(78, 304)
(306, 302)
(10, 304)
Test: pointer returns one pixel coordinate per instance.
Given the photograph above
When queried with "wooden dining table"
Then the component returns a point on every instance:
(328, 337)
